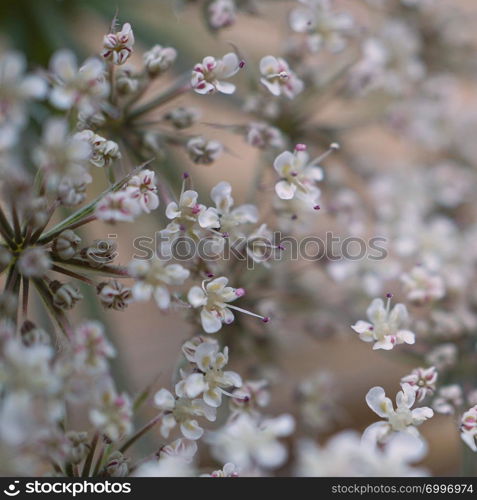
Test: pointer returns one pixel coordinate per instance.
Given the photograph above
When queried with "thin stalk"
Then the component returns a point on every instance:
(89, 458)
(140, 433)
(71, 274)
(26, 287)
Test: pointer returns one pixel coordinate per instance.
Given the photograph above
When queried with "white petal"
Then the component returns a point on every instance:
(209, 218)
(268, 64)
(378, 402)
(196, 296)
(285, 190)
(164, 400)
(210, 322)
(225, 87)
(162, 297)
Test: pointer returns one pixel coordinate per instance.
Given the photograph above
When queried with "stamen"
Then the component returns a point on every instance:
(333, 147)
(265, 319)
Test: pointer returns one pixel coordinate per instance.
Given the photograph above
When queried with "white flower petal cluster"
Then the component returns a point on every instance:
(211, 74)
(400, 419)
(386, 326)
(468, 427)
(118, 46)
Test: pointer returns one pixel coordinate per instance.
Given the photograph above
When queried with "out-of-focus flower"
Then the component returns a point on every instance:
(423, 286)
(297, 174)
(264, 136)
(228, 470)
(66, 245)
(203, 151)
(104, 152)
(346, 454)
(443, 356)
(114, 295)
(211, 380)
(400, 419)
(423, 381)
(120, 206)
(278, 78)
(246, 441)
(386, 327)
(182, 448)
(448, 400)
(118, 46)
(250, 397)
(152, 278)
(209, 76)
(112, 415)
(91, 348)
(222, 13)
(83, 88)
(468, 427)
(159, 59)
(65, 295)
(34, 262)
(325, 28)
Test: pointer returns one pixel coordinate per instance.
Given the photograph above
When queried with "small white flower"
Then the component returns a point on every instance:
(396, 420)
(182, 448)
(346, 454)
(297, 175)
(120, 206)
(278, 78)
(228, 470)
(468, 427)
(152, 278)
(104, 152)
(222, 13)
(386, 327)
(118, 46)
(91, 347)
(210, 379)
(182, 412)
(264, 136)
(208, 77)
(423, 381)
(143, 189)
(34, 262)
(246, 441)
(114, 295)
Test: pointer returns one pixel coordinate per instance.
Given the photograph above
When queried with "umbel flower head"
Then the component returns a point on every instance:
(385, 328)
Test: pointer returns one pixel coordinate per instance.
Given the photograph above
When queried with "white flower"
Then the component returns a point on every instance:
(34, 262)
(423, 381)
(114, 295)
(400, 419)
(385, 329)
(246, 441)
(182, 448)
(165, 467)
(118, 46)
(208, 77)
(443, 356)
(468, 427)
(448, 399)
(159, 59)
(231, 218)
(83, 88)
(120, 206)
(228, 470)
(182, 412)
(263, 136)
(422, 285)
(153, 277)
(222, 13)
(346, 454)
(210, 379)
(278, 78)
(144, 190)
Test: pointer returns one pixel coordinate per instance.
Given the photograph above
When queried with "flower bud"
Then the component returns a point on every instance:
(79, 446)
(32, 335)
(203, 151)
(65, 296)
(118, 46)
(182, 117)
(117, 466)
(126, 82)
(36, 210)
(66, 245)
